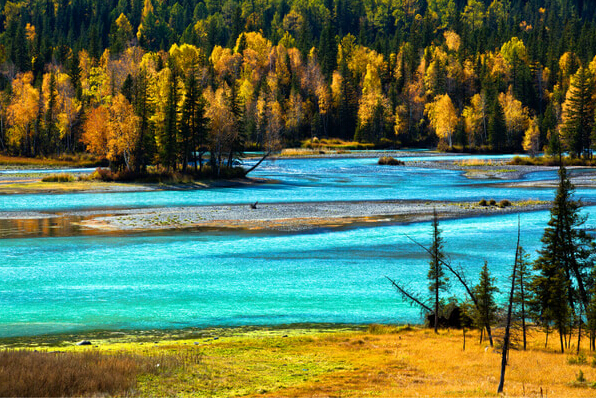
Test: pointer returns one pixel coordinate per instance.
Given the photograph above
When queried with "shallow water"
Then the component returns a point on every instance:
(306, 180)
(174, 279)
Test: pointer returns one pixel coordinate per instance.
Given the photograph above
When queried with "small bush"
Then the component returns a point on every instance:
(483, 202)
(100, 174)
(492, 202)
(390, 161)
(58, 178)
(580, 377)
(376, 328)
(580, 359)
(504, 203)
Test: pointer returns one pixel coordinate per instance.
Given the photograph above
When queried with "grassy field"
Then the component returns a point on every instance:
(381, 361)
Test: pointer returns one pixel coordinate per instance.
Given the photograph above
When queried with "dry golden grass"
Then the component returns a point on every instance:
(383, 361)
(300, 152)
(64, 161)
(25, 373)
(476, 162)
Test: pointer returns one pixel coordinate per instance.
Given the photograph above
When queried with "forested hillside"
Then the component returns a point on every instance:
(164, 82)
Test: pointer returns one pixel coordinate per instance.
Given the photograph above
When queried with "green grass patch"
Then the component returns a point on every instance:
(335, 144)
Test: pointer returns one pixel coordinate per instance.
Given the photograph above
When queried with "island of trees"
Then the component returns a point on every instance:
(164, 82)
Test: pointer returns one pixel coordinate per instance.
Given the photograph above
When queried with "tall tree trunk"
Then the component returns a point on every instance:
(509, 312)
(523, 308)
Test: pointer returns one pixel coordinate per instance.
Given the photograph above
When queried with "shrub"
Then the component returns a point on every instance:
(58, 178)
(504, 203)
(483, 202)
(580, 359)
(376, 328)
(100, 174)
(390, 161)
(580, 377)
(492, 202)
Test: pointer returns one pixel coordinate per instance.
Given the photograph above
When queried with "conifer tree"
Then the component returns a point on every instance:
(436, 276)
(521, 296)
(564, 266)
(578, 114)
(484, 292)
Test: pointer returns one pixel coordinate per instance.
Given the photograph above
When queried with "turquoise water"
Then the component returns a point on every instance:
(306, 180)
(199, 279)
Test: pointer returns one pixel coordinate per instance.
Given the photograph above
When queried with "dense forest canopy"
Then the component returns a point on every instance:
(164, 81)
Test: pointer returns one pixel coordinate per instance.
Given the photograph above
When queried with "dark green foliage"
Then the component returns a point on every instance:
(521, 294)
(564, 267)
(486, 310)
(437, 280)
(579, 114)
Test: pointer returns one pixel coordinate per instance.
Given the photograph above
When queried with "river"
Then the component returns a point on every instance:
(198, 279)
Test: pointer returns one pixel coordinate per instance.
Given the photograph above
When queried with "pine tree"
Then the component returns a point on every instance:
(436, 276)
(496, 126)
(521, 296)
(484, 292)
(578, 114)
(51, 130)
(565, 262)
(237, 109)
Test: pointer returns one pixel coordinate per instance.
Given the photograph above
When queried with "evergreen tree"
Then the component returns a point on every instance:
(168, 150)
(565, 262)
(484, 291)
(145, 146)
(237, 109)
(436, 276)
(521, 296)
(328, 50)
(51, 130)
(496, 126)
(193, 128)
(578, 114)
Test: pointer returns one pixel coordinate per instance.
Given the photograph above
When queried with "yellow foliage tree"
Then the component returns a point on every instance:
(516, 117)
(475, 121)
(443, 117)
(531, 143)
(22, 113)
(123, 131)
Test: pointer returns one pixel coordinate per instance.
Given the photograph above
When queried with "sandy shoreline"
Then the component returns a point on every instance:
(296, 216)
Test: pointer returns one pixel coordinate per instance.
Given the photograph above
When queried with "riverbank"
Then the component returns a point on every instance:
(384, 361)
(296, 216)
(14, 184)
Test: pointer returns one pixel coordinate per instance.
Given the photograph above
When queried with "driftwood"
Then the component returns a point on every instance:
(258, 163)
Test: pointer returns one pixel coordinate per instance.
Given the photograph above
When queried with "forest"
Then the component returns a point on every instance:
(161, 82)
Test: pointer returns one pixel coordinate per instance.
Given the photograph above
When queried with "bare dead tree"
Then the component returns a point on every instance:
(409, 296)
(507, 336)
(258, 163)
